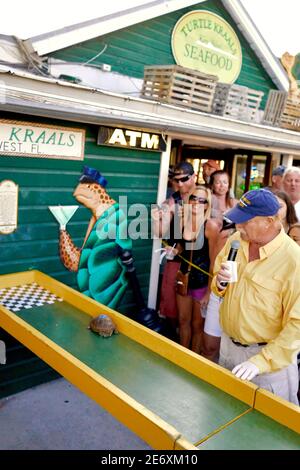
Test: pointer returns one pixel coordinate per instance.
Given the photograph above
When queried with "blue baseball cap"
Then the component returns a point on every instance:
(258, 202)
(91, 175)
(279, 170)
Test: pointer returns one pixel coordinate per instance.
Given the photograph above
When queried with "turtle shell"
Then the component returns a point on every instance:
(103, 325)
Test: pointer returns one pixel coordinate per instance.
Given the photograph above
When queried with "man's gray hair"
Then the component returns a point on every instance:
(291, 169)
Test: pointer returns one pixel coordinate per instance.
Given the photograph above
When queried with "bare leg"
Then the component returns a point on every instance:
(184, 306)
(197, 327)
(211, 347)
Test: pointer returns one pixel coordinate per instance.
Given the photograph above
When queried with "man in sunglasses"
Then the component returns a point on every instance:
(184, 176)
(184, 183)
(166, 223)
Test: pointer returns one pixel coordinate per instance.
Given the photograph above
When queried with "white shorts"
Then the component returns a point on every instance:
(212, 323)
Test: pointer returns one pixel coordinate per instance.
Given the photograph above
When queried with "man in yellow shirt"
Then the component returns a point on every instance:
(260, 313)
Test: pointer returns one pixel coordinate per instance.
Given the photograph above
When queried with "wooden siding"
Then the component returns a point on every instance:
(149, 43)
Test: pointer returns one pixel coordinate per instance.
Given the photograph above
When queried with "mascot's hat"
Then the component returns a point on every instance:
(91, 175)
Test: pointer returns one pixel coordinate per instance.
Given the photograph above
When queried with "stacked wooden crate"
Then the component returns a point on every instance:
(283, 110)
(180, 86)
(236, 101)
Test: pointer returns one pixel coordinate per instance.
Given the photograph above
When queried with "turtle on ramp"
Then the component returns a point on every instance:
(103, 325)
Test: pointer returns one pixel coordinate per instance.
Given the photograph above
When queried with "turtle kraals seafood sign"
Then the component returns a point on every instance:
(25, 139)
(205, 42)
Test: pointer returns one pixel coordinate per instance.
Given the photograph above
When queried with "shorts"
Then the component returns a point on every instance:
(197, 294)
(283, 383)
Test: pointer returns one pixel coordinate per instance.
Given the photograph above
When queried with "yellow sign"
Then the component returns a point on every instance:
(205, 42)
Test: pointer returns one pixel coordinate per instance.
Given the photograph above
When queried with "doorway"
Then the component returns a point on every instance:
(250, 171)
(247, 169)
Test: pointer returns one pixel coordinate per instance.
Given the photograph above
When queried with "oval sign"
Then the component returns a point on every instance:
(203, 41)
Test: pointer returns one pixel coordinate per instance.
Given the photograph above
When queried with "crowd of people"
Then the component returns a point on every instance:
(252, 325)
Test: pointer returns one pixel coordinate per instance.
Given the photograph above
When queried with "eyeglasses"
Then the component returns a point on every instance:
(201, 200)
(184, 179)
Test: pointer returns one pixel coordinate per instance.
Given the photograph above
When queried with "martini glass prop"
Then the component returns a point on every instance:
(68, 252)
(63, 214)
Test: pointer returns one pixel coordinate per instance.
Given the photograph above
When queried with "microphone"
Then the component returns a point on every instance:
(235, 244)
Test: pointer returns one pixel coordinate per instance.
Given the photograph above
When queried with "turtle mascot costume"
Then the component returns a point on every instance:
(100, 272)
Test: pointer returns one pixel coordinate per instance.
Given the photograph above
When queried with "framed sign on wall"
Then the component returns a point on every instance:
(8, 207)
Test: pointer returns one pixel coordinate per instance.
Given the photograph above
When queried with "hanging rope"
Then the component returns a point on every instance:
(189, 262)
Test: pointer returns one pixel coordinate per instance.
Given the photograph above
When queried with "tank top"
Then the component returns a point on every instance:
(197, 279)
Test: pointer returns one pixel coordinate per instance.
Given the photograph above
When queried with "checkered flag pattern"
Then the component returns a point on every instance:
(26, 296)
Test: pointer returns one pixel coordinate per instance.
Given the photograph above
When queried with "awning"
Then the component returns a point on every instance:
(24, 93)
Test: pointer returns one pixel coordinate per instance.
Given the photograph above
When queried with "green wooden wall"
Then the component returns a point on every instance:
(149, 43)
(34, 245)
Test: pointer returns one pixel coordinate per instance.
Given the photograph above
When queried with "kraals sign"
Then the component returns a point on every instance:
(26, 139)
(130, 138)
(205, 42)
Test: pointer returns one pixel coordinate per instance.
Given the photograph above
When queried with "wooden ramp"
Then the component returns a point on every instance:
(169, 396)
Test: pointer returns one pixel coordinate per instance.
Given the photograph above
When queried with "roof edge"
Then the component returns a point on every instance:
(48, 98)
(246, 25)
(65, 37)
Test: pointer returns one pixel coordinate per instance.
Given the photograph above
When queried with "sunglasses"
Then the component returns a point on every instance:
(201, 200)
(184, 179)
